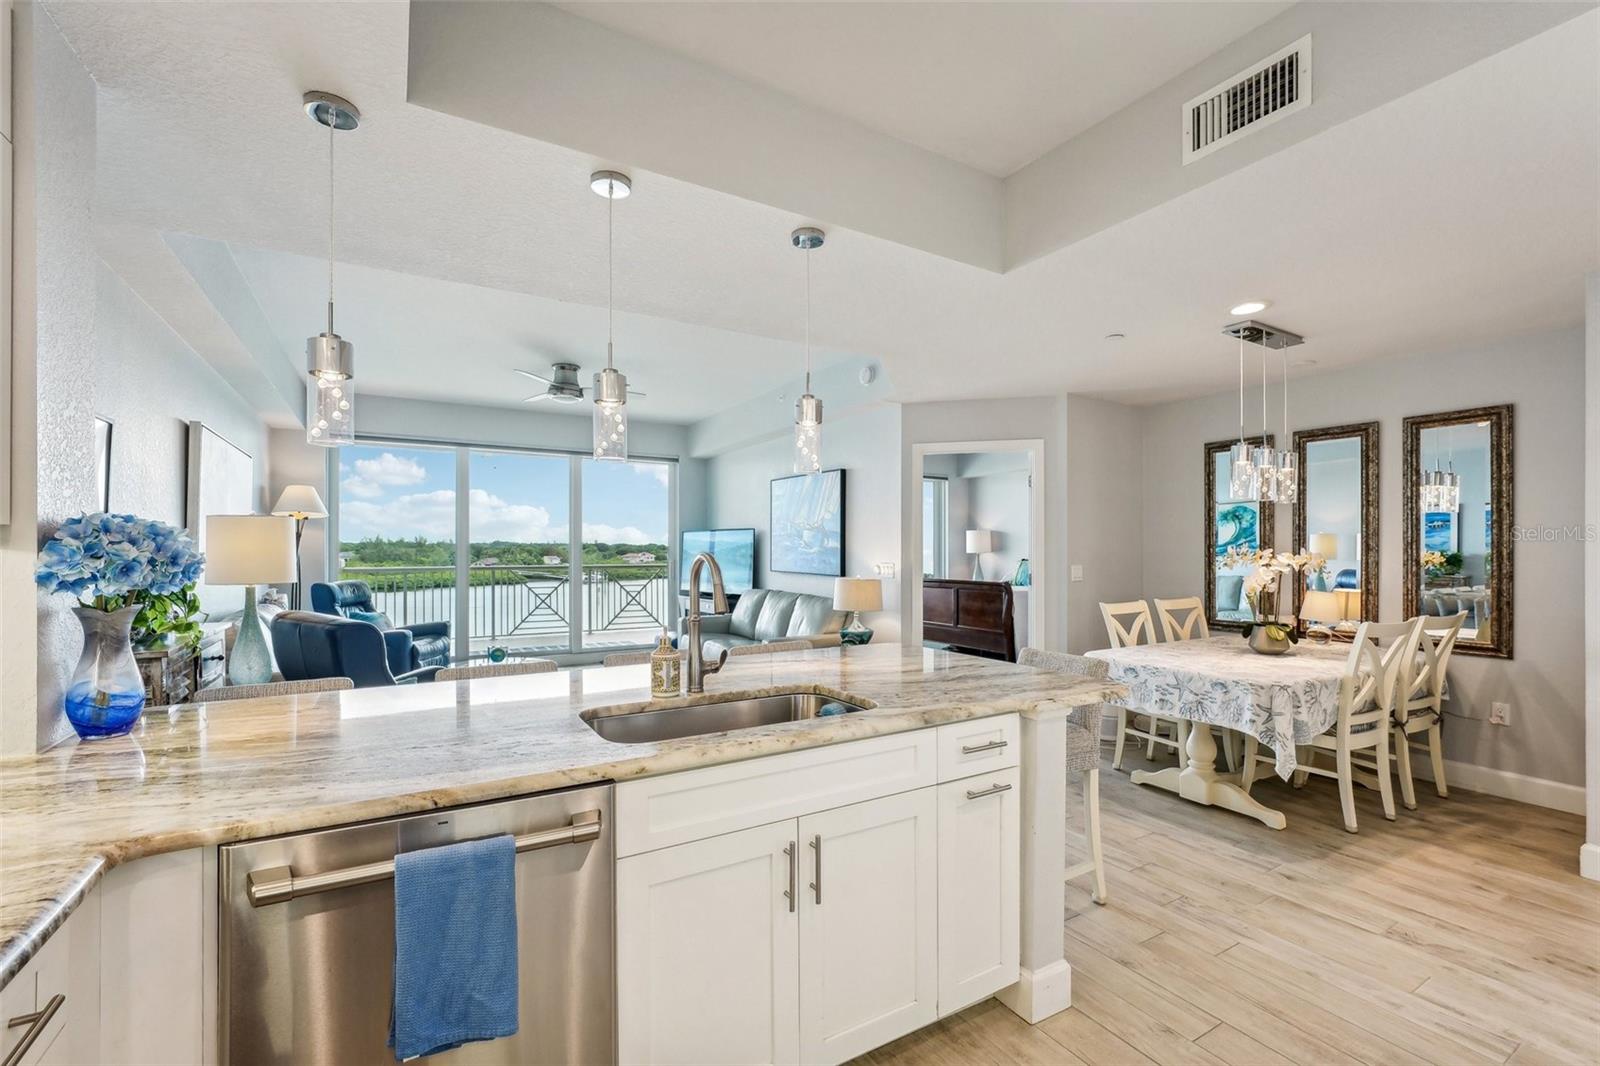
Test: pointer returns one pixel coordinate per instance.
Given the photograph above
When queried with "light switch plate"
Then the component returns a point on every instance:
(1076, 573)
(1499, 714)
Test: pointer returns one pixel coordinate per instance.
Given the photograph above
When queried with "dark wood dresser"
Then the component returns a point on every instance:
(174, 674)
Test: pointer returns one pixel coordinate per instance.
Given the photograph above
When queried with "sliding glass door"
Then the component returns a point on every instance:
(532, 553)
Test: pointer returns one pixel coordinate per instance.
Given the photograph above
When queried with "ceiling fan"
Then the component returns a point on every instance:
(562, 384)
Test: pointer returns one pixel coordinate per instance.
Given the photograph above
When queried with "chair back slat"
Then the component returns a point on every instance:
(1423, 687)
(1139, 628)
(1182, 619)
(1369, 688)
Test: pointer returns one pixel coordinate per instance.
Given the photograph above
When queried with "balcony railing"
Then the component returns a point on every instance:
(528, 605)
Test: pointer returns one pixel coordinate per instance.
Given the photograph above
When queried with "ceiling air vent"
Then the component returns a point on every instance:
(1258, 96)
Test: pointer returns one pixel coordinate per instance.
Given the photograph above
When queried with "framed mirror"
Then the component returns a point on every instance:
(1337, 518)
(1458, 521)
(1230, 524)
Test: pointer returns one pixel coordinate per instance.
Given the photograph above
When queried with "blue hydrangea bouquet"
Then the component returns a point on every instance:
(115, 565)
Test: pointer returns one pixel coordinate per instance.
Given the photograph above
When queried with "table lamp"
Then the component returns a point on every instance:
(249, 550)
(978, 542)
(1327, 546)
(857, 594)
(299, 502)
(1342, 607)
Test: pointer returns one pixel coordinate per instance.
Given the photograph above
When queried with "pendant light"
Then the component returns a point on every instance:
(1441, 488)
(1288, 483)
(1242, 483)
(610, 385)
(330, 359)
(807, 409)
(1265, 458)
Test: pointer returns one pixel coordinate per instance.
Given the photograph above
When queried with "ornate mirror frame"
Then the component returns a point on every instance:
(1502, 494)
(1368, 433)
(1208, 501)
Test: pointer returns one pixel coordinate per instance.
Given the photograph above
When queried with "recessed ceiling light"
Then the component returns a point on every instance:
(1249, 307)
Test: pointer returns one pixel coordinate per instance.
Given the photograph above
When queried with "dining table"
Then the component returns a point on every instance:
(1283, 701)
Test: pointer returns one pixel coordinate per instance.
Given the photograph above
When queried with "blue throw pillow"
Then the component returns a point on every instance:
(377, 618)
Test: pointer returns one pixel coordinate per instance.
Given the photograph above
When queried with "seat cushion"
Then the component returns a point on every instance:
(776, 607)
(377, 618)
(814, 615)
(716, 645)
(745, 614)
(1230, 589)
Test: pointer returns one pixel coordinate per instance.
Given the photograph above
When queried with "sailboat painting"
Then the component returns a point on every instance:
(807, 524)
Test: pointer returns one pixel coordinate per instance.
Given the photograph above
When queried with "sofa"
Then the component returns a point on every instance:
(310, 645)
(763, 616)
(410, 647)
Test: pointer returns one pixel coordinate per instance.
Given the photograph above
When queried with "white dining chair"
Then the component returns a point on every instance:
(1129, 624)
(1420, 708)
(1185, 619)
(521, 666)
(1368, 693)
(1083, 756)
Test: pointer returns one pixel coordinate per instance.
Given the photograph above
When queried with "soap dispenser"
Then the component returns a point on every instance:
(666, 669)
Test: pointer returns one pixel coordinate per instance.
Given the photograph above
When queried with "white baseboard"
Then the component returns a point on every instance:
(1040, 993)
(1589, 861)
(1539, 791)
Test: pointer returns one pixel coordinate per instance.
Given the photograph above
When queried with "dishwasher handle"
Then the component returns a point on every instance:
(279, 884)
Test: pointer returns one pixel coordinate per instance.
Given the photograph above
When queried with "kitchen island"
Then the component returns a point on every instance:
(196, 776)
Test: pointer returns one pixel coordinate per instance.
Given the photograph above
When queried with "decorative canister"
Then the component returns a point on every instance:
(666, 669)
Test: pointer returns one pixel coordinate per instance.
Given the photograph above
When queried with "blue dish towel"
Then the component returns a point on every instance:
(455, 946)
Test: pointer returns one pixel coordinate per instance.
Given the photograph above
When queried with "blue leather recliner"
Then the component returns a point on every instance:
(310, 645)
(410, 647)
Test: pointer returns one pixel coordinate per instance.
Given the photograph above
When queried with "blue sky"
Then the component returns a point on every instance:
(395, 491)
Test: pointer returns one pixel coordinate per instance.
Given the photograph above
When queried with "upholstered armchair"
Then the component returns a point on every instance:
(411, 647)
(310, 645)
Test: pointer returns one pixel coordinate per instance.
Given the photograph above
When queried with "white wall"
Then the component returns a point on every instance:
(1591, 581)
(1542, 375)
(150, 385)
(53, 300)
(1104, 522)
(998, 502)
(864, 442)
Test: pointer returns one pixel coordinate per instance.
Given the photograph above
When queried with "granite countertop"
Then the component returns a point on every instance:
(202, 775)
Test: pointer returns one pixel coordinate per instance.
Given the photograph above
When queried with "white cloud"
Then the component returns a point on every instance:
(599, 531)
(654, 470)
(494, 519)
(373, 476)
(433, 515)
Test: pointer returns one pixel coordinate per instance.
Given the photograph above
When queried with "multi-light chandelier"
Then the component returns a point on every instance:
(807, 409)
(330, 359)
(610, 385)
(1441, 486)
(1258, 471)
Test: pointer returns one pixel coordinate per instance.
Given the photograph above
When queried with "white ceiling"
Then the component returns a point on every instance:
(1410, 228)
(420, 337)
(991, 85)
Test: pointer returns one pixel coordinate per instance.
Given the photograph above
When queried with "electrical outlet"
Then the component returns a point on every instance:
(1076, 573)
(884, 570)
(1499, 714)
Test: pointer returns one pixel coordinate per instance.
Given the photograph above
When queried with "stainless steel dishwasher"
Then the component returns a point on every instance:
(306, 935)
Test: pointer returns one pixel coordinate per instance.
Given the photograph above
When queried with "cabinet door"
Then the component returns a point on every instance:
(979, 887)
(868, 924)
(708, 951)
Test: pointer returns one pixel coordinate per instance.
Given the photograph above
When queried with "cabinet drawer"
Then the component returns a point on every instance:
(979, 746)
(657, 812)
(66, 967)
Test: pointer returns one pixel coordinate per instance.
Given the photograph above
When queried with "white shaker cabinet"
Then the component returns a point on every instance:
(980, 840)
(868, 925)
(708, 958)
(53, 1003)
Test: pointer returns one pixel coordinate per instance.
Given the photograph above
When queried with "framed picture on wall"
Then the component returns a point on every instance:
(102, 464)
(806, 524)
(1439, 532)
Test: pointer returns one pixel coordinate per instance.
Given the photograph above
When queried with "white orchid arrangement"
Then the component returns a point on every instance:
(1261, 587)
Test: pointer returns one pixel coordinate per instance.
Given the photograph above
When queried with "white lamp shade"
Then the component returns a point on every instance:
(980, 540)
(1325, 545)
(300, 501)
(857, 594)
(1349, 604)
(249, 549)
(1320, 607)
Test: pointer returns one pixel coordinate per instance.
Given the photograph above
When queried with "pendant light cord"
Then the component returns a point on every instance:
(1283, 358)
(808, 321)
(332, 119)
(611, 200)
(1263, 397)
(1241, 388)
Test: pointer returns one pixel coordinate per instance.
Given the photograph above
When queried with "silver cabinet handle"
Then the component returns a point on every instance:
(279, 884)
(36, 1022)
(816, 886)
(789, 892)
(973, 749)
(990, 791)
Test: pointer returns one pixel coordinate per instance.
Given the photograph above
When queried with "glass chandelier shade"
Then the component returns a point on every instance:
(610, 385)
(1441, 490)
(1242, 477)
(1288, 483)
(330, 359)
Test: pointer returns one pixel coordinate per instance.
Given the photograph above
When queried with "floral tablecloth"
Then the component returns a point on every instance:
(1281, 700)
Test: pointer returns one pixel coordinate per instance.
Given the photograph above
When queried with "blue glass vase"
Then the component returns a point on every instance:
(106, 693)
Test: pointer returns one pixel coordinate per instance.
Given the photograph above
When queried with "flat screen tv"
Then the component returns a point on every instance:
(733, 549)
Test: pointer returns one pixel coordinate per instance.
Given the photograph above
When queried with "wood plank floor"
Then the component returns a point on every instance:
(1460, 933)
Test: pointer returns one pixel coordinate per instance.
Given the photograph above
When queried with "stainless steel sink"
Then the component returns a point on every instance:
(672, 723)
